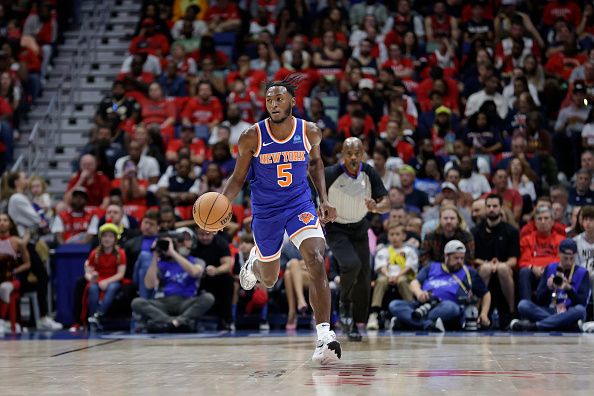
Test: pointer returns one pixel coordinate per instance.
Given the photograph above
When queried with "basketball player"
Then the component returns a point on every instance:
(275, 153)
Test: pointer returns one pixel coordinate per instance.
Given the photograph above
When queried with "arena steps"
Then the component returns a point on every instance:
(96, 81)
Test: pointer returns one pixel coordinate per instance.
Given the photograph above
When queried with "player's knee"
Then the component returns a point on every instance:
(316, 264)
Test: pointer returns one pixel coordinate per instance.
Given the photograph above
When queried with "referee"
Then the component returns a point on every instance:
(354, 188)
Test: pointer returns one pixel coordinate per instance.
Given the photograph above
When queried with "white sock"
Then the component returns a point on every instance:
(322, 329)
(5, 290)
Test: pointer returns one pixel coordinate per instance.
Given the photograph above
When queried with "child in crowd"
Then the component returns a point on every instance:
(104, 269)
(396, 265)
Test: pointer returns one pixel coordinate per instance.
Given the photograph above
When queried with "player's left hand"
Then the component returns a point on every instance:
(327, 212)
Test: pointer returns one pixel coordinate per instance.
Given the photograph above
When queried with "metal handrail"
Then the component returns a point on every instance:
(18, 163)
(45, 136)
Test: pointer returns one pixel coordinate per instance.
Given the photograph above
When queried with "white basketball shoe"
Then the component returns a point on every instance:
(327, 350)
(247, 279)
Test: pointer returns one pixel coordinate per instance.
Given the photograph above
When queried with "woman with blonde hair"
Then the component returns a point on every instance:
(451, 226)
(521, 177)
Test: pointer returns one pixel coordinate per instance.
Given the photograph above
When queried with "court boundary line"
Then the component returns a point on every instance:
(87, 347)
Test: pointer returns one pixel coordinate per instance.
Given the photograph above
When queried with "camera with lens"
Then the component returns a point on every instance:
(558, 279)
(424, 309)
(471, 312)
(162, 244)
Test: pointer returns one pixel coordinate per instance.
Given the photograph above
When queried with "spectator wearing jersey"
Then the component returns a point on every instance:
(71, 225)
(95, 183)
(245, 99)
(114, 214)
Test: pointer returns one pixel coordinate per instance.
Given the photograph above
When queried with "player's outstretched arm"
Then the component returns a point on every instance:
(316, 172)
(248, 144)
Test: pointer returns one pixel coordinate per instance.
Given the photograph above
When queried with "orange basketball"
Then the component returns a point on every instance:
(212, 211)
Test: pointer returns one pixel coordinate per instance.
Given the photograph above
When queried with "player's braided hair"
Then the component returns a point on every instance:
(291, 83)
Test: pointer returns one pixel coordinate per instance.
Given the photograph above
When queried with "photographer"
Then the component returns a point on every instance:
(443, 293)
(177, 274)
(561, 297)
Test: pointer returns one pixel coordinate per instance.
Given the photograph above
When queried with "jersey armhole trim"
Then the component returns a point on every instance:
(257, 153)
(305, 140)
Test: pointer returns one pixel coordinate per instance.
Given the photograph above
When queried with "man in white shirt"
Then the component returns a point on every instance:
(472, 182)
(147, 167)
(490, 92)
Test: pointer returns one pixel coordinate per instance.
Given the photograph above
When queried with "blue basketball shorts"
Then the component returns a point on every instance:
(300, 222)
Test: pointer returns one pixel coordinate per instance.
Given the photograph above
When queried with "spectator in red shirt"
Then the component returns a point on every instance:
(70, 225)
(158, 110)
(223, 16)
(187, 139)
(253, 78)
(158, 44)
(565, 9)
(104, 269)
(309, 77)
(43, 26)
(136, 81)
(355, 109)
(95, 183)
(395, 137)
(134, 190)
(245, 99)
(203, 110)
(208, 50)
(562, 63)
(537, 250)
(511, 198)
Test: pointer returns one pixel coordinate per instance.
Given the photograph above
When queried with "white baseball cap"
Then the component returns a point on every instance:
(454, 246)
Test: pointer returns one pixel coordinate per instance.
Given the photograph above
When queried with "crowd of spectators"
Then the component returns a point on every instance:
(28, 37)
(476, 114)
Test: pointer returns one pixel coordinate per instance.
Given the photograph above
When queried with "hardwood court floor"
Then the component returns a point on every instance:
(279, 364)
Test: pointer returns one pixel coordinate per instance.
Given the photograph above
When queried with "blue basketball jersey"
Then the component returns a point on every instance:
(278, 172)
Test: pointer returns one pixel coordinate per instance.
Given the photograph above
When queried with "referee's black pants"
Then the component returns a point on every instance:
(350, 245)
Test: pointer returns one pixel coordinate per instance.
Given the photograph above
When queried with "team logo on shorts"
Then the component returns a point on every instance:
(306, 217)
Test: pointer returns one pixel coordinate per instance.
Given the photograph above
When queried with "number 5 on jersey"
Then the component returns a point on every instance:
(285, 178)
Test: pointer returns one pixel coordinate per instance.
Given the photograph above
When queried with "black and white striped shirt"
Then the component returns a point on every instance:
(347, 193)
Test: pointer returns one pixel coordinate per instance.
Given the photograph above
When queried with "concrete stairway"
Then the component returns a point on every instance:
(77, 117)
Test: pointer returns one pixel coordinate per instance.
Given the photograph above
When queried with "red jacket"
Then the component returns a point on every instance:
(538, 250)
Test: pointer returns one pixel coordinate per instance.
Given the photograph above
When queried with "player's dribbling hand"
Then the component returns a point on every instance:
(327, 212)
